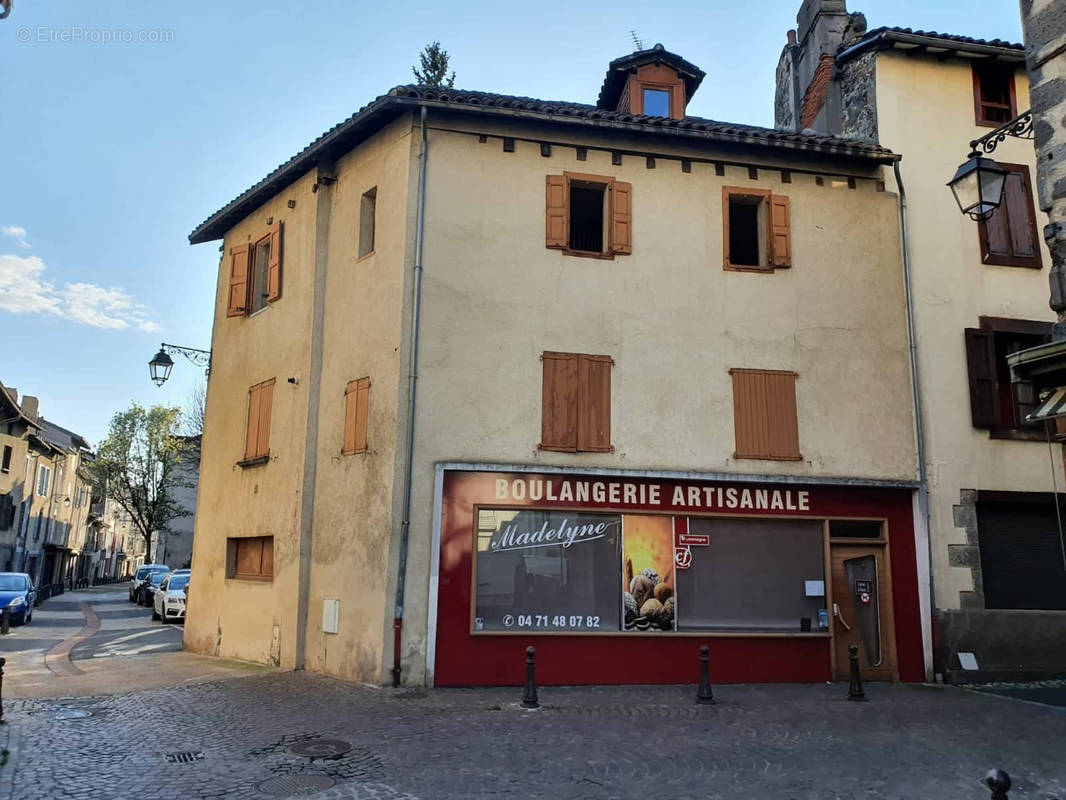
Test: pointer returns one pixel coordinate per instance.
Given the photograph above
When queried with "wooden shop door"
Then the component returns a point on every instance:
(862, 612)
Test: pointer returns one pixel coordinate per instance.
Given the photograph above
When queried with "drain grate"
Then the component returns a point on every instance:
(296, 785)
(320, 748)
(186, 757)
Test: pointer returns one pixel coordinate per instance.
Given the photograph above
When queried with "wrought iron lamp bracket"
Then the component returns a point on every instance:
(1021, 127)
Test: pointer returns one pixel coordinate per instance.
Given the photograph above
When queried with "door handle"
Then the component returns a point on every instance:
(839, 617)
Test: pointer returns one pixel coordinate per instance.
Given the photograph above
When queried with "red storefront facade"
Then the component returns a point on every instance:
(619, 579)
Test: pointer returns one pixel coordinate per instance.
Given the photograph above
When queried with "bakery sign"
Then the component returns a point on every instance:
(581, 492)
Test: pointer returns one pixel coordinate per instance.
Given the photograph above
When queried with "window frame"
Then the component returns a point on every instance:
(1037, 261)
(979, 103)
(767, 199)
(240, 289)
(652, 86)
(253, 269)
(370, 194)
(612, 187)
(45, 470)
(5, 460)
(233, 546)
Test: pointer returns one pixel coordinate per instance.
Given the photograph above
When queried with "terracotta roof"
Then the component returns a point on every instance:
(341, 138)
(886, 37)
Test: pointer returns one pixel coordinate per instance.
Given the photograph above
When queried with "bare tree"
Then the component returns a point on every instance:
(195, 409)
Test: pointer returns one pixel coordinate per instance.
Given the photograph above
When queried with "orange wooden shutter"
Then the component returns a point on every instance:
(274, 265)
(249, 556)
(560, 402)
(350, 399)
(251, 439)
(622, 218)
(764, 414)
(780, 234)
(266, 405)
(237, 298)
(594, 404)
(556, 234)
(356, 415)
(266, 567)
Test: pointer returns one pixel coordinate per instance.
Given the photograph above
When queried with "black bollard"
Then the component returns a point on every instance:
(5, 622)
(855, 691)
(998, 782)
(704, 694)
(529, 694)
(2, 662)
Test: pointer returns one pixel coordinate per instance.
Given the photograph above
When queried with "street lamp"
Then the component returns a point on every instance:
(978, 186)
(161, 363)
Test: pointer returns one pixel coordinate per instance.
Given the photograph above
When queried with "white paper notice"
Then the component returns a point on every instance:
(814, 588)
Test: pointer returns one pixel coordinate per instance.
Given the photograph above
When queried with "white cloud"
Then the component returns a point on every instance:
(23, 290)
(17, 233)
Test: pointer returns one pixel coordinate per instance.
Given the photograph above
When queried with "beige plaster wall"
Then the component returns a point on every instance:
(925, 112)
(363, 333)
(672, 319)
(238, 618)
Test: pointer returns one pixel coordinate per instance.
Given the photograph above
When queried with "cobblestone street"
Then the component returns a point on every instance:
(636, 742)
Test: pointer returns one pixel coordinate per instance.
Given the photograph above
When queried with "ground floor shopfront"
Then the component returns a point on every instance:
(621, 579)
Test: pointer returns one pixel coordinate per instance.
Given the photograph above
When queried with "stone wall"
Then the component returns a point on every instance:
(858, 98)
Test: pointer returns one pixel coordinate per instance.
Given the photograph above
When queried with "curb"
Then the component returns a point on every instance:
(58, 658)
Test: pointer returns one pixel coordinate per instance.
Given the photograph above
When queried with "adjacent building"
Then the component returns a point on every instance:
(490, 371)
(979, 293)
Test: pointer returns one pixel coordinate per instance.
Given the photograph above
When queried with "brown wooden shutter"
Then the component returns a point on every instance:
(559, 402)
(556, 203)
(249, 556)
(251, 439)
(780, 231)
(997, 232)
(1018, 202)
(594, 404)
(356, 415)
(622, 218)
(266, 405)
(266, 567)
(274, 265)
(764, 414)
(981, 361)
(237, 298)
(1010, 236)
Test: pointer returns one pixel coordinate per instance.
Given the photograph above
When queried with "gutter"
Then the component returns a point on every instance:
(888, 39)
(412, 396)
(916, 390)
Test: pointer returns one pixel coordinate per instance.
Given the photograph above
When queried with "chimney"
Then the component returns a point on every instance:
(30, 407)
(14, 393)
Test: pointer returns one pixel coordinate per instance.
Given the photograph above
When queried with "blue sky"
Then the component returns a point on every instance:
(112, 151)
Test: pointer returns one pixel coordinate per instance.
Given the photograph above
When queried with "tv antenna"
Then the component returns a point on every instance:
(637, 43)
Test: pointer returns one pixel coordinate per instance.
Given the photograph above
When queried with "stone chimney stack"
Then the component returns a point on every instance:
(30, 407)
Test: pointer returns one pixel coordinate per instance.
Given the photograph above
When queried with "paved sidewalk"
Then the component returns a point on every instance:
(232, 739)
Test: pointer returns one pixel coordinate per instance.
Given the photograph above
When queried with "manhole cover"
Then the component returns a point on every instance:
(321, 748)
(295, 785)
(71, 713)
(183, 758)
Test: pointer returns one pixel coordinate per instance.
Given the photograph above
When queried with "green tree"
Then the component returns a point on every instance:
(138, 466)
(434, 70)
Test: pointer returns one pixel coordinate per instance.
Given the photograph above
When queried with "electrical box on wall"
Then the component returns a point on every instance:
(331, 612)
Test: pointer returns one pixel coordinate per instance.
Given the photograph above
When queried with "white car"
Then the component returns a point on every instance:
(168, 602)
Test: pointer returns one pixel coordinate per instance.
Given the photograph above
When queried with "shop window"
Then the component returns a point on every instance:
(44, 478)
(250, 558)
(356, 413)
(589, 215)
(5, 465)
(996, 403)
(255, 274)
(993, 94)
(367, 216)
(1021, 553)
(756, 575)
(656, 102)
(1009, 237)
(764, 414)
(756, 229)
(576, 403)
(257, 436)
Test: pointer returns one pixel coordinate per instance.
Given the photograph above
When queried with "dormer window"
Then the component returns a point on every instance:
(657, 102)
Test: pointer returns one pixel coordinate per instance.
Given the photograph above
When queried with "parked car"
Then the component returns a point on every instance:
(168, 603)
(150, 584)
(141, 574)
(18, 594)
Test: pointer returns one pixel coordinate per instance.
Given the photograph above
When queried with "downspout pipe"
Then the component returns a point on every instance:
(412, 395)
(916, 390)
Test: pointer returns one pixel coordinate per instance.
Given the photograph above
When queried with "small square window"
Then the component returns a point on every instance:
(260, 276)
(587, 216)
(656, 103)
(993, 88)
(367, 213)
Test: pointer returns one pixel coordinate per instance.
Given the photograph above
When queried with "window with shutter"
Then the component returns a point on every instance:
(257, 435)
(356, 415)
(588, 215)
(756, 230)
(998, 403)
(993, 94)
(255, 273)
(1010, 237)
(237, 302)
(274, 264)
(576, 403)
(250, 558)
(764, 414)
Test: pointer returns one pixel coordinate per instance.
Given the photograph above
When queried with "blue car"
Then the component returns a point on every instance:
(17, 593)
